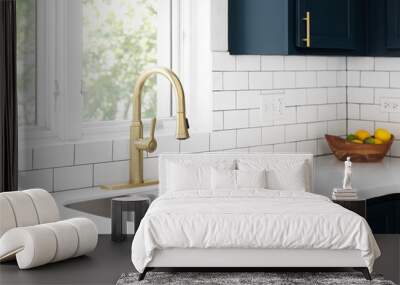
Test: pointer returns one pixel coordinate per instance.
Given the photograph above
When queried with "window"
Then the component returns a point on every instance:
(26, 62)
(78, 61)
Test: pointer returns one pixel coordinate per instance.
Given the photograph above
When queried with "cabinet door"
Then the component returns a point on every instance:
(393, 24)
(332, 24)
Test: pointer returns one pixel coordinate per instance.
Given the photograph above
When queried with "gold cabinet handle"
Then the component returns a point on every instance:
(307, 39)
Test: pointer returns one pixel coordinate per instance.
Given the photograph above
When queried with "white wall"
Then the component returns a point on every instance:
(316, 90)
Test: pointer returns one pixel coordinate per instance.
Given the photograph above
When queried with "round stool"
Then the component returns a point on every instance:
(120, 207)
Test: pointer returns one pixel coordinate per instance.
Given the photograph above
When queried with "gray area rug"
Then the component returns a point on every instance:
(269, 278)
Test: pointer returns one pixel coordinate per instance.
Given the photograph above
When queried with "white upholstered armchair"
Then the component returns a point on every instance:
(32, 233)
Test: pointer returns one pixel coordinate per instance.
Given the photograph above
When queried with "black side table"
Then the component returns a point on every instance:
(357, 206)
(119, 210)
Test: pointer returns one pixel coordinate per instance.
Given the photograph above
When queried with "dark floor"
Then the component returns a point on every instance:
(103, 266)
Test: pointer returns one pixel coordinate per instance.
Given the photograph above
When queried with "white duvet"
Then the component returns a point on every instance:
(250, 219)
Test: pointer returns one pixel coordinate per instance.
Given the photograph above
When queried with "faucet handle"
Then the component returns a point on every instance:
(151, 141)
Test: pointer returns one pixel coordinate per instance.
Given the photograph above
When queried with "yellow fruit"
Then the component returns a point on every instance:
(357, 141)
(378, 141)
(383, 135)
(362, 134)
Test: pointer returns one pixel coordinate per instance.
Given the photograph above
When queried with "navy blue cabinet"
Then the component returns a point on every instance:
(383, 27)
(296, 27)
(330, 25)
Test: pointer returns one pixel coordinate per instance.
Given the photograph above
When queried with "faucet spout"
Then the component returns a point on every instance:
(138, 144)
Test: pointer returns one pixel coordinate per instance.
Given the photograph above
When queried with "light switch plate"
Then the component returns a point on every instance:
(273, 108)
(390, 105)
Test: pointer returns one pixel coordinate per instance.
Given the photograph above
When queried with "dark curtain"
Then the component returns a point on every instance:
(8, 98)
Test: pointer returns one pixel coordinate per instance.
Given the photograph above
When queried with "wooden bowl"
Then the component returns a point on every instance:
(358, 152)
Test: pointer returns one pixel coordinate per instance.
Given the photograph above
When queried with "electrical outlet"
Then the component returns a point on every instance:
(273, 108)
(390, 105)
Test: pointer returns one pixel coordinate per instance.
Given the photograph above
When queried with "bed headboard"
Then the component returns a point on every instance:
(165, 158)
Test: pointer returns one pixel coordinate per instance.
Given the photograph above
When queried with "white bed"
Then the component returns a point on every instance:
(248, 227)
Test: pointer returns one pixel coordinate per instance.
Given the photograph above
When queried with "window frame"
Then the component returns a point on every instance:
(59, 88)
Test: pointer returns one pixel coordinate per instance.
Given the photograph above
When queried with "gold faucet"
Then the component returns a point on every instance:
(138, 144)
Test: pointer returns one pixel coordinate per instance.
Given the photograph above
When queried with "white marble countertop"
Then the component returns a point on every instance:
(370, 179)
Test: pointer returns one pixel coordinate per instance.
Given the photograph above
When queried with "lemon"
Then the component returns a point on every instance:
(357, 141)
(378, 141)
(383, 135)
(362, 134)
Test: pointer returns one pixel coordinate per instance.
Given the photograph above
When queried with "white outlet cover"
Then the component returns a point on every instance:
(390, 105)
(273, 108)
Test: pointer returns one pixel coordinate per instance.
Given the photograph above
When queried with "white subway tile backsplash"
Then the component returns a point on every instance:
(395, 150)
(224, 100)
(165, 144)
(341, 111)
(272, 62)
(262, 148)
(337, 95)
(353, 78)
(317, 62)
(283, 80)
(223, 61)
(53, 156)
(353, 111)
(374, 79)
(260, 80)
(327, 112)
(218, 121)
(248, 137)
(307, 147)
(150, 168)
(336, 63)
(121, 149)
(198, 142)
(306, 79)
(337, 128)
(285, 147)
(394, 79)
(73, 177)
(248, 99)
(223, 140)
(317, 130)
(93, 152)
(387, 64)
(111, 173)
(255, 118)
(323, 147)
(317, 96)
(360, 95)
(385, 93)
(341, 78)
(273, 135)
(295, 62)
(236, 119)
(307, 114)
(236, 80)
(217, 81)
(326, 79)
(289, 117)
(295, 132)
(248, 62)
(295, 97)
(360, 63)
(354, 125)
(42, 178)
(372, 113)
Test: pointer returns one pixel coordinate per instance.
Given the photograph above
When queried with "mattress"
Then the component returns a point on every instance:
(250, 219)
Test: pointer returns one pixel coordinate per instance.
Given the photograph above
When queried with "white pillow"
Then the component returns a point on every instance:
(188, 175)
(251, 178)
(223, 179)
(237, 179)
(282, 174)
